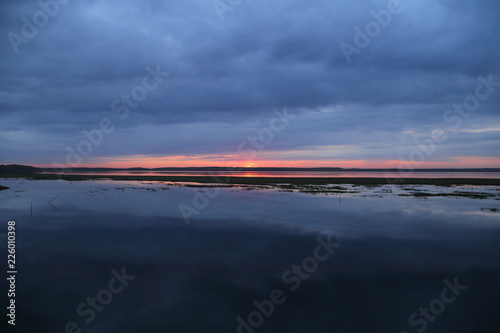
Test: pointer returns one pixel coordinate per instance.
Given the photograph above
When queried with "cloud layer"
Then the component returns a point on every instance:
(226, 76)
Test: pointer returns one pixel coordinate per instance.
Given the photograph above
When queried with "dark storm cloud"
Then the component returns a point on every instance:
(226, 76)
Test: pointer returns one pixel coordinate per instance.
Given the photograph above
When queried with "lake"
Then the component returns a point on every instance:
(120, 256)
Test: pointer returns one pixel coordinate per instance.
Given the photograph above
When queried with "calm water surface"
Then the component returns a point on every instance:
(394, 254)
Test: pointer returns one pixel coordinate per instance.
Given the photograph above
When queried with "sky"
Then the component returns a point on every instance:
(330, 83)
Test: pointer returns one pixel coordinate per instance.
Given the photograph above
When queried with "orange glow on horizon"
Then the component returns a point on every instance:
(230, 161)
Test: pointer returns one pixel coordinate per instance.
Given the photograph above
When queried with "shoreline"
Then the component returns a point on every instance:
(222, 180)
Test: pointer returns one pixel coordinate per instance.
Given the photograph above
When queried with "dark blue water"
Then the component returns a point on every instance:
(391, 258)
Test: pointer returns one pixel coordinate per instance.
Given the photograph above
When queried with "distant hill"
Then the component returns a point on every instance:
(264, 169)
(18, 169)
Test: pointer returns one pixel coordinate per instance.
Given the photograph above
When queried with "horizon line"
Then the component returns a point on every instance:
(254, 168)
